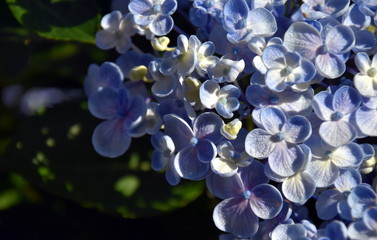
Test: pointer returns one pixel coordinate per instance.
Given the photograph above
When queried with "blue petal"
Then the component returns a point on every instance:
(327, 202)
(323, 171)
(337, 133)
(188, 166)
(370, 218)
(330, 65)
(340, 39)
(299, 188)
(161, 25)
(336, 230)
(297, 129)
(208, 93)
(104, 104)
(272, 119)
(366, 120)
(258, 144)
(266, 201)
(207, 126)
(253, 175)
(322, 105)
(346, 100)
(361, 197)
(110, 139)
(257, 95)
(225, 187)
(178, 130)
(206, 150)
(235, 216)
(348, 179)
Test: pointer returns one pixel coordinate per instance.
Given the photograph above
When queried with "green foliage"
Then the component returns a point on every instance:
(76, 20)
(53, 151)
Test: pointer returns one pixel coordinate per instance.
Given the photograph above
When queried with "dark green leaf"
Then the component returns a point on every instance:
(54, 151)
(76, 20)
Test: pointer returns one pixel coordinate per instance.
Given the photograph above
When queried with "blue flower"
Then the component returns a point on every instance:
(195, 146)
(242, 24)
(278, 140)
(247, 196)
(325, 48)
(154, 14)
(121, 113)
(316, 9)
(365, 80)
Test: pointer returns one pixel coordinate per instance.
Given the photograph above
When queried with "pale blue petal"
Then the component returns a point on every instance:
(224, 187)
(275, 81)
(141, 7)
(258, 144)
(346, 100)
(286, 159)
(337, 133)
(284, 231)
(366, 120)
(340, 39)
(363, 62)
(358, 230)
(327, 202)
(297, 129)
(361, 197)
(336, 230)
(323, 171)
(329, 65)
(188, 166)
(265, 26)
(348, 179)
(274, 55)
(161, 25)
(299, 188)
(235, 216)
(105, 39)
(110, 139)
(272, 120)
(349, 155)
(370, 218)
(266, 201)
(344, 210)
(303, 39)
(257, 96)
(169, 7)
(322, 105)
(159, 160)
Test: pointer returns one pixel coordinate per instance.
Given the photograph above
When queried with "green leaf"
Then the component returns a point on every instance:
(54, 152)
(76, 20)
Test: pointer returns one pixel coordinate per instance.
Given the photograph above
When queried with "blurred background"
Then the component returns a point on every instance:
(52, 183)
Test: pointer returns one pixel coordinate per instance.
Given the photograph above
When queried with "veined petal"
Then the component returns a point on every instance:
(297, 130)
(349, 155)
(361, 197)
(370, 218)
(286, 159)
(337, 133)
(266, 201)
(303, 39)
(340, 39)
(206, 150)
(140, 7)
(366, 120)
(223, 167)
(275, 81)
(110, 139)
(178, 130)
(258, 144)
(161, 25)
(348, 179)
(188, 166)
(262, 22)
(207, 126)
(365, 85)
(299, 188)
(327, 202)
(235, 216)
(324, 171)
(322, 105)
(272, 119)
(274, 55)
(253, 175)
(346, 100)
(329, 65)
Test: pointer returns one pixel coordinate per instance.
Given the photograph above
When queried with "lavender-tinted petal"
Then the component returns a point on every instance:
(303, 39)
(178, 130)
(188, 166)
(346, 100)
(265, 26)
(110, 139)
(207, 125)
(235, 216)
(111, 21)
(299, 188)
(206, 150)
(159, 160)
(326, 204)
(253, 175)
(258, 144)
(349, 155)
(286, 159)
(329, 65)
(297, 129)
(137, 109)
(337, 133)
(266, 201)
(224, 187)
(171, 175)
(370, 218)
(161, 25)
(274, 55)
(340, 39)
(322, 105)
(272, 119)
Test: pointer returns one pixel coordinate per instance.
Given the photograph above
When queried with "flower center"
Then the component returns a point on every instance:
(336, 116)
(286, 71)
(322, 50)
(240, 24)
(278, 137)
(222, 100)
(372, 72)
(156, 8)
(246, 194)
(193, 141)
(274, 99)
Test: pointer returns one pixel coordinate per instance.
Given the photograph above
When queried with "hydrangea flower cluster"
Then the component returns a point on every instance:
(272, 103)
